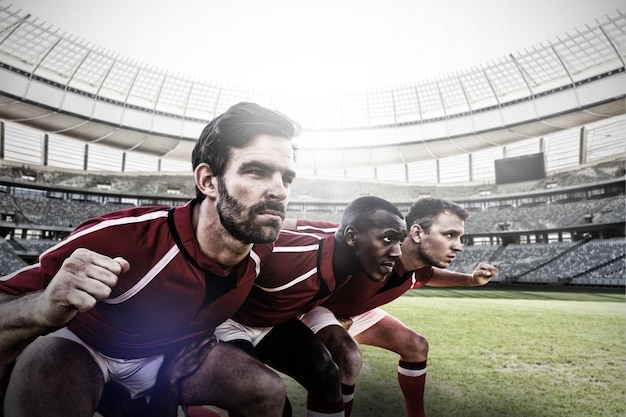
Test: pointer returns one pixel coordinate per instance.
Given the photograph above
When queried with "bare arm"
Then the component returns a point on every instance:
(446, 278)
(84, 279)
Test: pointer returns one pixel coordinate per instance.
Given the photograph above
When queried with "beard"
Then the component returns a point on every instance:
(241, 220)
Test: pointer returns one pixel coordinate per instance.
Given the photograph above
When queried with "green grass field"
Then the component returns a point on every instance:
(500, 352)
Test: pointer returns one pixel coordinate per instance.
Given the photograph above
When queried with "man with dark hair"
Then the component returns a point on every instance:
(303, 270)
(435, 227)
(127, 288)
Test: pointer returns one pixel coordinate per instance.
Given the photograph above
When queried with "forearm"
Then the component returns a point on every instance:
(447, 278)
(19, 324)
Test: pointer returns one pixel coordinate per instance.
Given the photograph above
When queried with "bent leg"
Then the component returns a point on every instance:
(345, 352)
(54, 377)
(232, 379)
(391, 334)
(293, 349)
(347, 355)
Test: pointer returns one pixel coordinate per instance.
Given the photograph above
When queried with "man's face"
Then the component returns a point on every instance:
(255, 188)
(440, 245)
(378, 248)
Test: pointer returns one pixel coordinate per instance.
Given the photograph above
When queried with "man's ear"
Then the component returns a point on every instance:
(205, 180)
(350, 234)
(415, 231)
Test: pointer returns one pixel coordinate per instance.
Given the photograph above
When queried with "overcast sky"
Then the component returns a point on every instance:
(341, 45)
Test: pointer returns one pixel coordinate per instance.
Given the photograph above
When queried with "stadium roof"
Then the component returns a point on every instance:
(61, 84)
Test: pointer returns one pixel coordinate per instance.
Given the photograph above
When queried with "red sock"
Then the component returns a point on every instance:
(347, 391)
(412, 378)
(200, 411)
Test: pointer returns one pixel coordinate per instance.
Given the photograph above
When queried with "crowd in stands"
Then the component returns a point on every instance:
(314, 189)
(595, 262)
(544, 216)
(9, 260)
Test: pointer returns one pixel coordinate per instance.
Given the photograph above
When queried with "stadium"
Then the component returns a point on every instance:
(533, 144)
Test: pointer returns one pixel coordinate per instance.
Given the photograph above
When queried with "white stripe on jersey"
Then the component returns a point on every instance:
(152, 273)
(315, 235)
(299, 279)
(109, 223)
(307, 248)
(257, 262)
(96, 227)
(319, 229)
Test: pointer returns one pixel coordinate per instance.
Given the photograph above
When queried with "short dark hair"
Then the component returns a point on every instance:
(359, 212)
(234, 129)
(425, 210)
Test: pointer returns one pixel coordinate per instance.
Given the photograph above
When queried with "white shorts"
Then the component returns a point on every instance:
(136, 375)
(320, 317)
(232, 330)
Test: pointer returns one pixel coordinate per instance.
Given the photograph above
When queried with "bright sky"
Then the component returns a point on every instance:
(321, 45)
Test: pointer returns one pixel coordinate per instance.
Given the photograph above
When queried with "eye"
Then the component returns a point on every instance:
(288, 180)
(256, 172)
(392, 239)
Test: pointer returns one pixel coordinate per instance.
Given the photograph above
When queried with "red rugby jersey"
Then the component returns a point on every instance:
(361, 294)
(294, 278)
(171, 293)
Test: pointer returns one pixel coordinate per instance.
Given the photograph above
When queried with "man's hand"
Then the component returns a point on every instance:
(484, 273)
(85, 278)
(186, 361)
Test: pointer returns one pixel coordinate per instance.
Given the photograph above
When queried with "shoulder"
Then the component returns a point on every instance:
(312, 226)
(127, 216)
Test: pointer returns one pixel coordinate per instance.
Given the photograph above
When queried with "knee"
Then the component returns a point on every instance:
(416, 348)
(349, 358)
(74, 381)
(272, 385)
(269, 391)
(325, 371)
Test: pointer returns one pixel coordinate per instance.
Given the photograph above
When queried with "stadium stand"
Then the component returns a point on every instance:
(82, 132)
(9, 260)
(569, 235)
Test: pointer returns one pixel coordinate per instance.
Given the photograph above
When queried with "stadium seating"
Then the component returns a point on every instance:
(60, 200)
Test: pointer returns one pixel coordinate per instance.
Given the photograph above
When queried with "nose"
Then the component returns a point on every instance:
(395, 250)
(278, 190)
(457, 246)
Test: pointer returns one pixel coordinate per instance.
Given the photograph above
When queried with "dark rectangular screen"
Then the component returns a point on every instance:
(521, 168)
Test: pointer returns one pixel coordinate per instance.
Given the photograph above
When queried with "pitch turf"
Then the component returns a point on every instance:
(504, 352)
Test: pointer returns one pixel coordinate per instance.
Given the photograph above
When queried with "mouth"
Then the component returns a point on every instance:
(388, 266)
(449, 259)
(275, 214)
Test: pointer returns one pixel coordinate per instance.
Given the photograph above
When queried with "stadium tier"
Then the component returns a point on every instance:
(565, 235)
(102, 111)
(84, 131)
